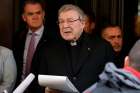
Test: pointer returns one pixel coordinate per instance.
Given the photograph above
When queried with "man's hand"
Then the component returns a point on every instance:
(49, 90)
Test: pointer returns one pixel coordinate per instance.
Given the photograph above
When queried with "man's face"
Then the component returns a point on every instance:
(114, 36)
(70, 24)
(89, 25)
(33, 15)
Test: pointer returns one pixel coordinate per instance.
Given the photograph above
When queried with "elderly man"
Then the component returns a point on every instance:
(77, 56)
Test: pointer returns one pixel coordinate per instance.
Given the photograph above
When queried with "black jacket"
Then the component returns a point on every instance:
(18, 50)
(93, 53)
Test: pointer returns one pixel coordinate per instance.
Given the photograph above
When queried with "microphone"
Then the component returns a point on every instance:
(24, 84)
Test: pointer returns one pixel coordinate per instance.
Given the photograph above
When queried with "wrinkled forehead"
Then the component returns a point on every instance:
(112, 30)
(69, 14)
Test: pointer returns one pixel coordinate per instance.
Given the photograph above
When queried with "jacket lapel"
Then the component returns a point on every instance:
(40, 44)
(84, 54)
(42, 40)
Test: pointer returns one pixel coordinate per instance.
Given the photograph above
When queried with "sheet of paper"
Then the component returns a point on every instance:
(24, 84)
(57, 82)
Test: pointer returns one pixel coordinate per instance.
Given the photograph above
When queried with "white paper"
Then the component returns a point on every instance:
(24, 84)
(57, 82)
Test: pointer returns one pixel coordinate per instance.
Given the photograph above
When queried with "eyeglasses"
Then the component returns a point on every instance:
(68, 21)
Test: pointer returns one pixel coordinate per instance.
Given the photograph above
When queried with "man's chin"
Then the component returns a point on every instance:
(68, 38)
(117, 50)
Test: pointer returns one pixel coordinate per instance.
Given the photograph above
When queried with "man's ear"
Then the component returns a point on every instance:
(43, 14)
(23, 17)
(126, 61)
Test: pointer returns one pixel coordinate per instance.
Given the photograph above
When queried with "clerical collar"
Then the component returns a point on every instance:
(77, 42)
(73, 43)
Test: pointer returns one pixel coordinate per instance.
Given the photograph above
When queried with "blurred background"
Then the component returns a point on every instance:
(126, 13)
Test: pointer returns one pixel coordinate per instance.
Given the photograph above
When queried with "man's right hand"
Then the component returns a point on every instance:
(49, 90)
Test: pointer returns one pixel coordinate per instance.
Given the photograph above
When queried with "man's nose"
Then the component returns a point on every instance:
(65, 24)
(117, 40)
(35, 16)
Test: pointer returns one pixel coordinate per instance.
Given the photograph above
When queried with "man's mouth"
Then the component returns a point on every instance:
(67, 31)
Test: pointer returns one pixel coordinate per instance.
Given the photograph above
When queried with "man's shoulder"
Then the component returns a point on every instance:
(5, 51)
(98, 41)
(105, 89)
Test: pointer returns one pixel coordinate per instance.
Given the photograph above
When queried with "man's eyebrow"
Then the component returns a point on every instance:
(37, 12)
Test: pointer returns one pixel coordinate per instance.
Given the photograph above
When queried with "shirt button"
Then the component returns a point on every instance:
(89, 49)
(74, 78)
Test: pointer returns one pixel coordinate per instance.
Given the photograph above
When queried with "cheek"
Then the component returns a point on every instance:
(112, 43)
(28, 20)
(60, 30)
(79, 27)
(61, 33)
(121, 42)
(41, 18)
